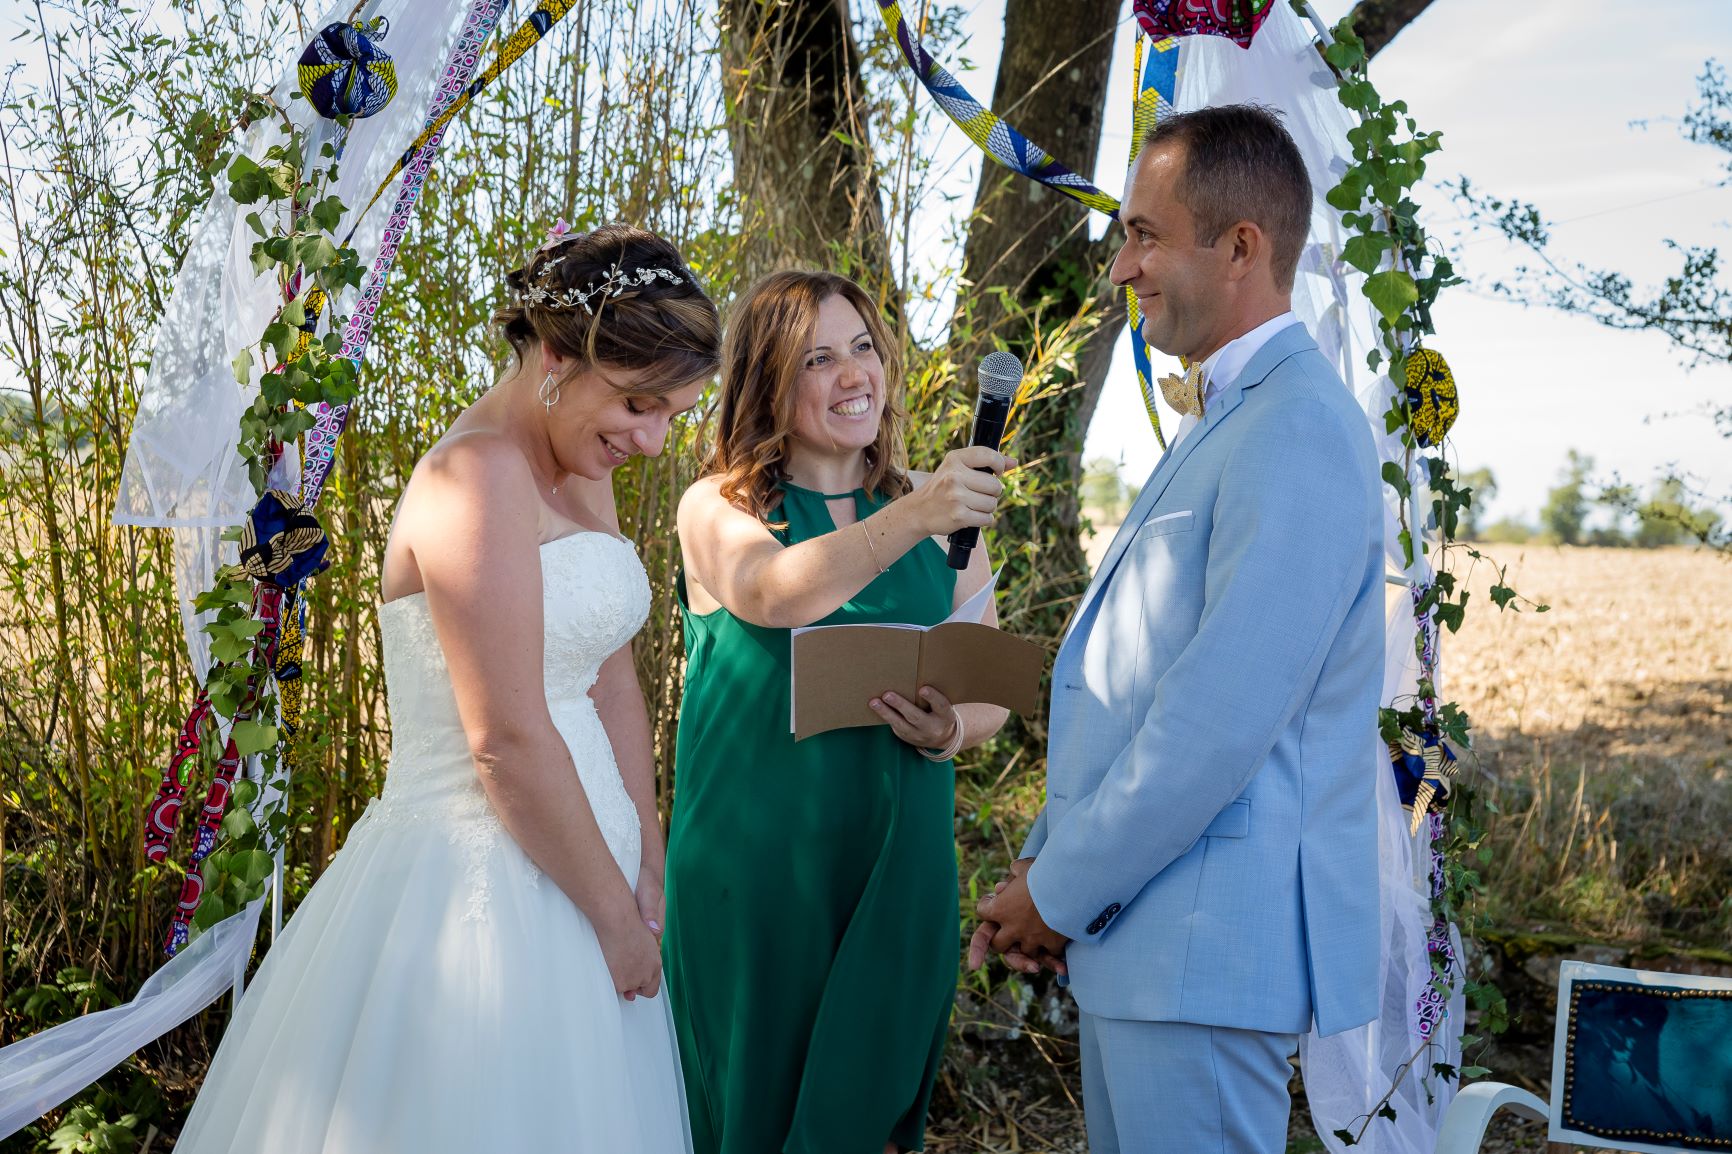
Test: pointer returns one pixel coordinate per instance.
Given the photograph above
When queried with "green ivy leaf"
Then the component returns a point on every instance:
(210, 911)
(1365, 252)
(242, 366)
(1474, 1071)
(253, 866)
(317, 252)
(1392, 292)
(245, 792)
(253, 737)
(1346, 1138)
(1396, 479)
(238, 822)
(229, 648)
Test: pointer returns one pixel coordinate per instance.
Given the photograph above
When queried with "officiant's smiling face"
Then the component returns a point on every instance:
(839, 395)
(1180, 283)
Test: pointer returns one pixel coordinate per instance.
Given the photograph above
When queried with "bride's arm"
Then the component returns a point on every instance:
(619, 700)
(471, 520)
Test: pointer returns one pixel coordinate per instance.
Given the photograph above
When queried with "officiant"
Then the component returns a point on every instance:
(812, 887)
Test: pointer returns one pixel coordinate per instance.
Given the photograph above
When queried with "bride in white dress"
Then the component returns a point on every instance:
(477, 970)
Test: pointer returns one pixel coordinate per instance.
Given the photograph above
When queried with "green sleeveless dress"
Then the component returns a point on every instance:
(811, 946)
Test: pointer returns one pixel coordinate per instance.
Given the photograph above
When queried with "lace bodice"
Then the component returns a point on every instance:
(595, 598)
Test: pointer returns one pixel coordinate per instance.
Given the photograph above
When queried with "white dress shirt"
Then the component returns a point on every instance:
(1223, 366)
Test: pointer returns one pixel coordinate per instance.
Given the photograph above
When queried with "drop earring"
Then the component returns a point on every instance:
(548, 393)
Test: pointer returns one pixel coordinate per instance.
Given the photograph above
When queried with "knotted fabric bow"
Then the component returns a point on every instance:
(1423, 763)
(1185, 393)
(280, 542)
(1237, 20)
(344, 73)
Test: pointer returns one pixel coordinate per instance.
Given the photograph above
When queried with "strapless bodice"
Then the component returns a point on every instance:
(595, 597)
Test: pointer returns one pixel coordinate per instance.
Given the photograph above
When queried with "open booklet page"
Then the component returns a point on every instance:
(837, 669)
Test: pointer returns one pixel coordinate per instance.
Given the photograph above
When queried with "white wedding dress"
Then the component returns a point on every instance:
(435, 993)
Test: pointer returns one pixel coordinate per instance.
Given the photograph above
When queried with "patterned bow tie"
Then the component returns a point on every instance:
(1185, 394)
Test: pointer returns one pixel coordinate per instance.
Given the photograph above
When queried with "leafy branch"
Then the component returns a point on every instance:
(1404, 273)
(295, 220)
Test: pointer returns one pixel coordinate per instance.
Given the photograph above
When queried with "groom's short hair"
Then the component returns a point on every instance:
(1240, 163)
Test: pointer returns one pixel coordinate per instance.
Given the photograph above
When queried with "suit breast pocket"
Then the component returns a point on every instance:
(1166, 525)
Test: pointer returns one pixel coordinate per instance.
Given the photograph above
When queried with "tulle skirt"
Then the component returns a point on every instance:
(434, 993)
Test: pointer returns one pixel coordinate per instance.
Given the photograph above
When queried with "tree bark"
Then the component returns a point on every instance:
(1379, 21)
(1052, 84)
(797, 125)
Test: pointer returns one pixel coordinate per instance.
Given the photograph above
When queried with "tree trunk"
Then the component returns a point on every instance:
(1052, 84)
(797, 124)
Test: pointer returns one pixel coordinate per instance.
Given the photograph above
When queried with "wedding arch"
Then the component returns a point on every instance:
(294, 253)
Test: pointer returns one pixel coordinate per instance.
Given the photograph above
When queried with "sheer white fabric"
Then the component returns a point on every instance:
(182, 470)
(434, 993)
(1347, 1074)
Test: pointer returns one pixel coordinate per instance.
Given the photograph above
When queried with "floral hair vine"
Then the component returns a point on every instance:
(616, 283)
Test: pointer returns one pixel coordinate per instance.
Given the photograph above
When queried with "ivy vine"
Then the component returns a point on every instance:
(295, 221)
(1404, 274)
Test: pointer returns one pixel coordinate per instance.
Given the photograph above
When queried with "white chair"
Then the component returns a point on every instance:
(1641, 1061)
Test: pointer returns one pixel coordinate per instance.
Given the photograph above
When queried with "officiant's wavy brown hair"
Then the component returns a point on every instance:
(769, 336)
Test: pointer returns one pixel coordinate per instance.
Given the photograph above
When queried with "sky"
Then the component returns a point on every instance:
(1535, 102)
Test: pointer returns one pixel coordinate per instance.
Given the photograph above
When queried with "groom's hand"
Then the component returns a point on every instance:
(1020, 927)
(1027, 960)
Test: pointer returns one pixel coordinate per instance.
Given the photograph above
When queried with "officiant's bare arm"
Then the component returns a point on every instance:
(735, 557)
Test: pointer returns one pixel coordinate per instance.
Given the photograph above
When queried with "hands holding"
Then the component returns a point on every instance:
(631, 941)
(962, 491)
(1011, 925)
(930, 723)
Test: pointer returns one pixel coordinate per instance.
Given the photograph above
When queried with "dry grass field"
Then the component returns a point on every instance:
(1605, 739)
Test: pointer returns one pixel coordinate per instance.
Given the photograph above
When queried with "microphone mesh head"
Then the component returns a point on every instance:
(1000, 374)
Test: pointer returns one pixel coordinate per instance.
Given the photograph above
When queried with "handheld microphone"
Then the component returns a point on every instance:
(1000, 374)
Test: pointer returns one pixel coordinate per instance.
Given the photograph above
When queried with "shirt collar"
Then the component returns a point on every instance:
(1223, 366)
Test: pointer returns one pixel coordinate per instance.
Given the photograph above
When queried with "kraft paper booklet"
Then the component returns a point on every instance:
(837, 669)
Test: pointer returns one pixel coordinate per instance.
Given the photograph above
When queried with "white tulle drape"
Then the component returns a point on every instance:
(1346, 1075)
(183, 473)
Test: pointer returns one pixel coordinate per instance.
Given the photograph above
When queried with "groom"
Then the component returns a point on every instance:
(1206, 863)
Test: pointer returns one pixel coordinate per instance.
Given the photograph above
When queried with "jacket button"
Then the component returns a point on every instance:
(1095, 926)
(1113, 909)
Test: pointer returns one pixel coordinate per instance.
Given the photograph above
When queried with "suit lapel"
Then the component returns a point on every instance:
(1284, 344)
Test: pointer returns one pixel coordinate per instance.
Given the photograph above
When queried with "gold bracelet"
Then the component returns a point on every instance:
(871, 549)
(951, 747)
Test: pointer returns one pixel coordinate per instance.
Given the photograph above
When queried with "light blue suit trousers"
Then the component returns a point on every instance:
(1209, 840)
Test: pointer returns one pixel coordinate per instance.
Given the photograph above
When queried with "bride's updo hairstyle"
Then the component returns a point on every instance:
(619, 297)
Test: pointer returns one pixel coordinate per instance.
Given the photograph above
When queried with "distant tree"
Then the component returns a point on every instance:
(1483, 485)
(1566, 509)
(1103, 488)
(1509, 531)
(1692, 308)
(1669, 516)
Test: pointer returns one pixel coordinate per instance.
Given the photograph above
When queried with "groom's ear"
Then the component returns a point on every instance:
(1247, 248)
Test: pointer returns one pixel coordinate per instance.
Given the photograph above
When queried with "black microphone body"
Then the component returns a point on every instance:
(990, 414)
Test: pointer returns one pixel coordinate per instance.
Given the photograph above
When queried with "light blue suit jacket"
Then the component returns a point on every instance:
(1209, 840)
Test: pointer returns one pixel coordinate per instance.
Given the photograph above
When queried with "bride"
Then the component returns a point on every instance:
(478, 968)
